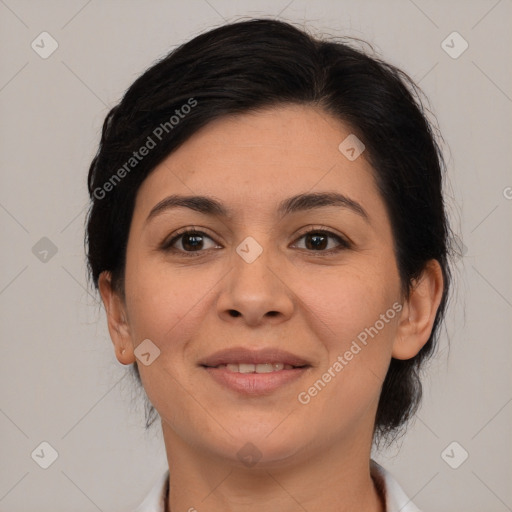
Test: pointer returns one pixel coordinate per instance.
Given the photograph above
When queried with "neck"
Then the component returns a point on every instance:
(337, 479)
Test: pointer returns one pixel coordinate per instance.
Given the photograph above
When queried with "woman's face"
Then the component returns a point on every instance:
(254, 279)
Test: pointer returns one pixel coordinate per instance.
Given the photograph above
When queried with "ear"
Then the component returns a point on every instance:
(117, 319)
(419, 312)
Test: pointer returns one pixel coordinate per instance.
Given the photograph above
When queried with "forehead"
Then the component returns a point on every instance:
(256, 159)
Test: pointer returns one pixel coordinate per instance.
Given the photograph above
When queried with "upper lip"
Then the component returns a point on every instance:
(247, 356)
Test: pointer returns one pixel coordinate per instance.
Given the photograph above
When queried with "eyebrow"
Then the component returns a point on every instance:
(300, 202)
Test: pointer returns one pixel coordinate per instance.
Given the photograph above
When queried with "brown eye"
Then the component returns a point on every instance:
(190, 242)
(319, 241)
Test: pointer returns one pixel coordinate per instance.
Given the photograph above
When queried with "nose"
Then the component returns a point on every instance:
(255, 292)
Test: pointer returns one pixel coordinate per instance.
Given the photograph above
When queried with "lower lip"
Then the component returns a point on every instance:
(255, 383)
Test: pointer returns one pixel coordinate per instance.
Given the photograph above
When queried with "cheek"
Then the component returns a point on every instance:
(345, 301)
(168, 309)
(166, 303)
(355, 316)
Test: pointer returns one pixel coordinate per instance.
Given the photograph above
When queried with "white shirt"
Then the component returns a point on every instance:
(396, 499)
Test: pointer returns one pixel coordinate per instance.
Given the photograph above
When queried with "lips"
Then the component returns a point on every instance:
(244, 356)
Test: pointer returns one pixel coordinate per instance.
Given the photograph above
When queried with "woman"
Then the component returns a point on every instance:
(268, 235)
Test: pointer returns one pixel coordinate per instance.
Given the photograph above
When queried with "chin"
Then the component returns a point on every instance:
(259, 446)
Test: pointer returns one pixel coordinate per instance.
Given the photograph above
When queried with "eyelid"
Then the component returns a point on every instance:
(323, 229)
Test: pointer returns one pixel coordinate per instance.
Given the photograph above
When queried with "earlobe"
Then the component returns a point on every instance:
(116, 319)
(419, 312)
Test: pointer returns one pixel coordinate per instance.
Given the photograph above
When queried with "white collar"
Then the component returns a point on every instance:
(396, 499)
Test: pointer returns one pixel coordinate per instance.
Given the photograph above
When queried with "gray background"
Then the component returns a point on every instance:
(60, 380)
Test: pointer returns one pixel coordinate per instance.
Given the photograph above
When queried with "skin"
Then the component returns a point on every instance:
(293, 296)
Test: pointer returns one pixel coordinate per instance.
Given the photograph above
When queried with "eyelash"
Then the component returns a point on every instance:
(344, 244)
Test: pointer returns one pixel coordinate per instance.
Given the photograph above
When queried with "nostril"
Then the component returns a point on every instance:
(234, 312)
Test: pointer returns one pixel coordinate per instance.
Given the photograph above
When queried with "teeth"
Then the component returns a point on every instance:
(267, 368)
(255, 368)
(246, 368)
